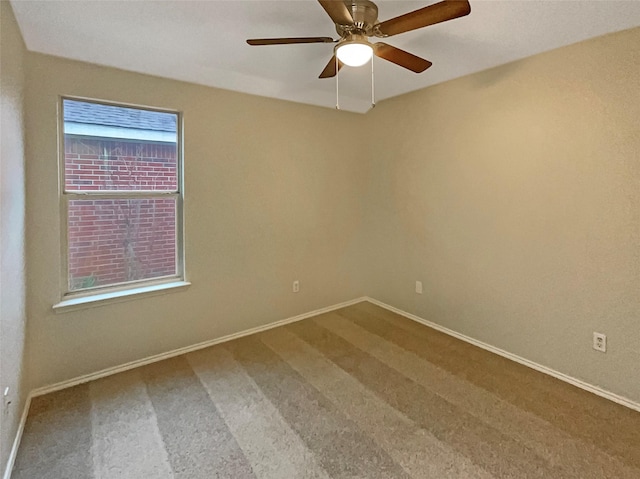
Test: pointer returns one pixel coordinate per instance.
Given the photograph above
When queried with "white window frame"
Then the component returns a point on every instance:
(95, 296)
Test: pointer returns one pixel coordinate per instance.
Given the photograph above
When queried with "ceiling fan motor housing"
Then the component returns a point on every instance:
(365, 16)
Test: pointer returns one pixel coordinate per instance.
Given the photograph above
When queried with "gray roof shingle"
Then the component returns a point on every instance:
(98, 114)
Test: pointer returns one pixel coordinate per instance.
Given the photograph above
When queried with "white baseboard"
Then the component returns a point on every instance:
(514, 357)
(16, 442)
(177, 352)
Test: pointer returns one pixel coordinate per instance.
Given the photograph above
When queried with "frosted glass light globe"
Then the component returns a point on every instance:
(354, 54)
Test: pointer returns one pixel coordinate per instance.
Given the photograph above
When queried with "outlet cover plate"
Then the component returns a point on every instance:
(600, 342)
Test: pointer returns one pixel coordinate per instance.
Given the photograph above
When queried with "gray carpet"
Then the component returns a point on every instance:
(357, 393)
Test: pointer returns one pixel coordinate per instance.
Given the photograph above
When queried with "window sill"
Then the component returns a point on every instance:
(101, 299)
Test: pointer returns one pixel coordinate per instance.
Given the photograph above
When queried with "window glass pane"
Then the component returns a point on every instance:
(120, 240)
(117, 148)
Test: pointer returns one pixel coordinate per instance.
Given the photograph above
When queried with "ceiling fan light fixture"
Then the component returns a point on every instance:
(354, 51)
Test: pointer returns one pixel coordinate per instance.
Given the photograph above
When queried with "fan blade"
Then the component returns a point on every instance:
(338, 11)
(436, 13)
(400, 57)
(330, 70)
(286, 41)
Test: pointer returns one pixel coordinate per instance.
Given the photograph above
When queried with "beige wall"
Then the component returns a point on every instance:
(514, 195)
(12, 237)
(268, 200)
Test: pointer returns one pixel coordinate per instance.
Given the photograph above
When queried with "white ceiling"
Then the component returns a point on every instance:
(204, 41)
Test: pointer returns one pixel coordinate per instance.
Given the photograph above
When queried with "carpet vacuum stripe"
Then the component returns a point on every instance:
(273, 448)
(416, 450)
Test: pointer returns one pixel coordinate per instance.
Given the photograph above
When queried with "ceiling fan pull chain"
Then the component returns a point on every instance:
(337, 83)
(373, 94)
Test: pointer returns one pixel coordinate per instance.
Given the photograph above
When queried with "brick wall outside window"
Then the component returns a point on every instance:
(119, 240)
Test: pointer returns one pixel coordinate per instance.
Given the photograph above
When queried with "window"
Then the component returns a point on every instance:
(121, 197)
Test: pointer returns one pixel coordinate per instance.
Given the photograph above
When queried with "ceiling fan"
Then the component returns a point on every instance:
(356, 20)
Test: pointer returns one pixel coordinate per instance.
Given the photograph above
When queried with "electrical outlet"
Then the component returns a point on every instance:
(600, 342)
(419, 287)
(296, 286)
